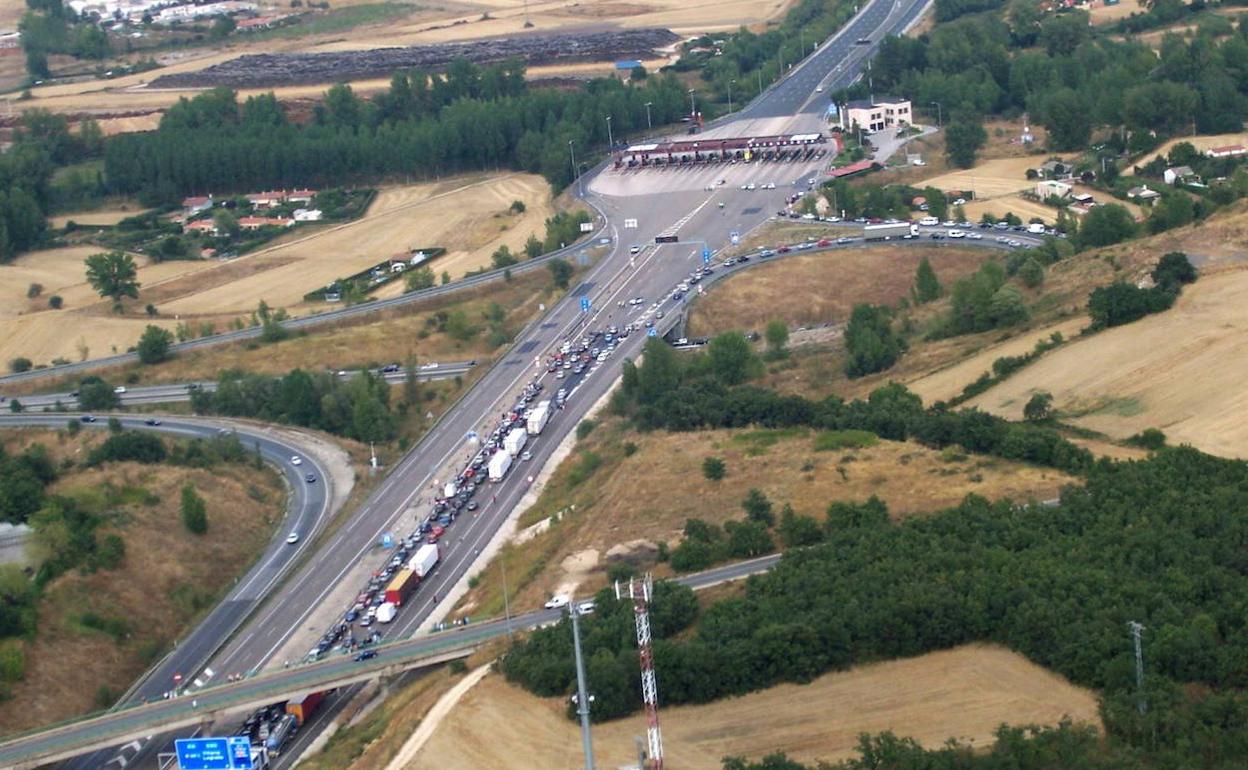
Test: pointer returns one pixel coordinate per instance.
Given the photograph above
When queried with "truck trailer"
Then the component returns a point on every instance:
(887, 232)
(500, 463)
(401, 586)
(515, 441)
(304, 706)
(424, 560)
(538, 417)
(386, 612)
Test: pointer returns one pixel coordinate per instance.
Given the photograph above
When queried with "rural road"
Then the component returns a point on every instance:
(181, 391)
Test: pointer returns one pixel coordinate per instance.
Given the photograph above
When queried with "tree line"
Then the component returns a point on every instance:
(468, 119)
(667, 392)
(1156, 541)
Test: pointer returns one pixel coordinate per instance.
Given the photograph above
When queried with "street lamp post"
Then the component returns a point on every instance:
(610, 139)
(760, 80)
(938, 115)
(576, 171)
(730, 82)
(648, 125)
(693, 110)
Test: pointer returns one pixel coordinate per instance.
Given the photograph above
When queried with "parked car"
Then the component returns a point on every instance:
(310, 478)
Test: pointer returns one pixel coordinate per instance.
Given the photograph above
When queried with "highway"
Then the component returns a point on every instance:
(223, 699)
(294, 615)
(181, 391)
(308, 510)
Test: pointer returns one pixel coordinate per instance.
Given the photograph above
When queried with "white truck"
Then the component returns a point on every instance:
(386, 613)
(500, 463)
(538, 417)
(449, 489)
(515, 441)
(886, 232)
(424, 560)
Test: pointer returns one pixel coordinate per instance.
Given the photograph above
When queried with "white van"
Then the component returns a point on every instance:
(1035, 228)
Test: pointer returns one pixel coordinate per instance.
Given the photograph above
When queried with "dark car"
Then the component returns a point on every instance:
(152, 421)
(88, 418)
(310, 478)
(365, 655)
(388, 368)
(351, 616)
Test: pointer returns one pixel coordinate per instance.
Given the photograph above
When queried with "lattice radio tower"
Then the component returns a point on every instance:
(640, 591)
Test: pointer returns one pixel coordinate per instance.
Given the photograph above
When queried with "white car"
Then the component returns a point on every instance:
(769, 186)
(956, 234)
(431, 365)
(586, 607)
(296, 460)
(526, 456)
(557, 601)
(975, 236)
(292, 538)
(929, 221)
(119, 389)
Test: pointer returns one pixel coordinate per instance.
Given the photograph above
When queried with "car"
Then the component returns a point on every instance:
(310, 478)
(119, 389)
(975, 236)
(863, 41)
(430, 365)
(843, 240)
(557, 601)
(151, 421)
(88, 418)
(388, 368)
(351, 616)
(818, 89)
(586, 607)
(364, 655)
(637, 301)
(526, 456)
(784, 249)
(769, 186)
(296, 460)
(956, 234)
(634, 249)
(292, 538)
(929, 221)
(472, 505)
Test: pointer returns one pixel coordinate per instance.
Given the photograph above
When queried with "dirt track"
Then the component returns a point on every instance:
(273, 69)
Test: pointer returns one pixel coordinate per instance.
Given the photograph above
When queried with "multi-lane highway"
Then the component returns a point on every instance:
(181, 391)
(280, 684)
(295, 613)
(308, 510)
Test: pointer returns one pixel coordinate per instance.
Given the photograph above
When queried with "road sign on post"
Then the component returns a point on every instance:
(652, 332)
(630, 223)
(584, 304)
(233, 753)
(735, 237)
(587, 227)
(706, 256)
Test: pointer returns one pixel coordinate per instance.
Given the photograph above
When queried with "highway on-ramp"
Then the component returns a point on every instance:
(298, 610)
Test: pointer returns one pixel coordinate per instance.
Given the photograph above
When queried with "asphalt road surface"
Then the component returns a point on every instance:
(289, 616)
(336, 671)
(181, 391)
(307, 509)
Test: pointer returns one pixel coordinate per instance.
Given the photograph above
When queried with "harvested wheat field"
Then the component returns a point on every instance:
(98, 216)
(945, 383)
(1010, 204)
(989, 179)
(470, 220)
(1108, 14)
(152, 595)
(1201, 143)
(963, 693)
(820, 288)
(1183, 371)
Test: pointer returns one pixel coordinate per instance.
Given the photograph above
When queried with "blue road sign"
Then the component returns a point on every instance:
(652, 332)
(706, 256)
(387, 540)
(735, 237)
(233, 753)
(584, 304)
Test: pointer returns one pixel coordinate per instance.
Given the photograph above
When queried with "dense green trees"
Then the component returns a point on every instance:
(1173, 271)
(468, 119)
(154, 344)
(983, 301)
(872, 343)
(1121, 303)
(1156, 541)
(113, 274)
(357, 407)
(23, 478)
(963, 139)
(732, 360)
(926, 285)
(94, 393)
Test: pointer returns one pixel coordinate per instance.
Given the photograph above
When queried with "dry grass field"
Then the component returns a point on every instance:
(1182, 371)
(98, 216)
(989, 179)
(1006, 204)
(1108, 14)
(609, 508)
(820, 288)
(467, 216)
(165, 570)
(963, 693)
(1199, 142)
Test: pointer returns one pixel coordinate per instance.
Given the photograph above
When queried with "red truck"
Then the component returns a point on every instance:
(401, 586)
(304, 706)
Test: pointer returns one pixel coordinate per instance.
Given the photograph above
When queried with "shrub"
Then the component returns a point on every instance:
(584, 428)
(55, 302)
(713, 468)
(20, 364)
(194, 512)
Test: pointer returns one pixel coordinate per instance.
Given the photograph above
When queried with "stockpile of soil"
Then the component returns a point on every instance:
(279, 69)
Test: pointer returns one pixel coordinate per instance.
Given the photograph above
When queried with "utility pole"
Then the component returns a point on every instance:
(760, 80)
(610, 139)
(693, 110)
(648, 124)
(502, 562)
(1136, 629)
(938, 116)
(730, 82)
(582, 697)
(575, 171)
